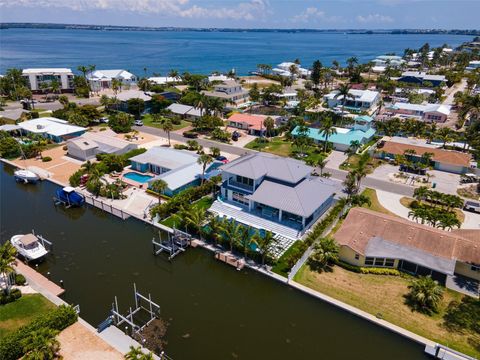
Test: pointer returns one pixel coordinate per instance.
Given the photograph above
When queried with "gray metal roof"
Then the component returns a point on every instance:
(166, 157)
(179, 108)
(379, 247)
(301, 200)
(257, 165)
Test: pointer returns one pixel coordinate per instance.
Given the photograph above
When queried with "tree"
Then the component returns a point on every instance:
(7, 259)
(269, 124)
(344, 92)
(445, 135)
(215, 151)
(144, 84)
(327, 129)
(136, 353)
(264, 244)
(254, 93)
(63, 99)
(159, 186)
(78, 119)
(120, 122)
(325, 254)
(316, 74)
(167, 126)
(232, 232)
(41, 344)
(193, 218)
(136, 106)
(204, 160)
(425, 294)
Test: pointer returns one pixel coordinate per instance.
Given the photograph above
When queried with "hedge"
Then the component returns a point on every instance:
(8, 298)
(368, 270)
(57, 319)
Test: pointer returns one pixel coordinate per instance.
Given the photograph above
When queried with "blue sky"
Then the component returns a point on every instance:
(317, 14)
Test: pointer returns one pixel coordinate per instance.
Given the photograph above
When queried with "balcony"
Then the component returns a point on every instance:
(240, 185)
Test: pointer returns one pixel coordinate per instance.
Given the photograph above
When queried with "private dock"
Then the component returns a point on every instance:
(37, 280)
(230, 259)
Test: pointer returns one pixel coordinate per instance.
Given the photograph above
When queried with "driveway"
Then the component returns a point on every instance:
(472, 221)
(335, 159)
(445, 182)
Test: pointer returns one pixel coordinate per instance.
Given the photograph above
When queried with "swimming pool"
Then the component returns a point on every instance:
(141, 178)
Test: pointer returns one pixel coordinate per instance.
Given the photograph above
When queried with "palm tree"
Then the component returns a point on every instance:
(269, 124)
(327, 128)
(193, 218)
(204, 160)
(264, 244)
(344, 92)
(445, 135)
(173, 74)
(7, 259)
(55, 86)
(159, 186)
(41, 344)
(232, 231)
(354, 146)
(167, 126)
(215, 152)
(425, 294)
(321, 165)
(359, 200)
(216, 227)
(136, 353)
(325, 254)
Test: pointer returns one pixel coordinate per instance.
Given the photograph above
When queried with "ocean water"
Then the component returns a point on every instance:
(196, 52)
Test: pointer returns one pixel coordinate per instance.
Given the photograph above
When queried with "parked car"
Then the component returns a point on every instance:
(104, 120)
(235, 136)
(138, 122)
(190, 134)
(222, 158)
(472, 206)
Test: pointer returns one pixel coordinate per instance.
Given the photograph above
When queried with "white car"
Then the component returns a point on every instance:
(472, 206)
(138, 122)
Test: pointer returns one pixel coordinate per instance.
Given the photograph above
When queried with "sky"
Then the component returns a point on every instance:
(311, 14)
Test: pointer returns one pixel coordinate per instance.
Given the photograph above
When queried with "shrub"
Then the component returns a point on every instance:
(176, 121)
(289, 258)
(368, 270)
(58, 319)
(464, 315)
(74, 179)
(180, 147)
(46, 159)
(20, 279)
(190, 134)
(133, 153)
(8, 298)
(65, 148)
(425, 295)
(34, 114)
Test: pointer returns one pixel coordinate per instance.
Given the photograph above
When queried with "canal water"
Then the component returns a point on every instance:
(215, 312)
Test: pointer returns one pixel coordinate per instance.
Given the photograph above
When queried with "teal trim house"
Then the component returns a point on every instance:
(178, 168)
(361, 131)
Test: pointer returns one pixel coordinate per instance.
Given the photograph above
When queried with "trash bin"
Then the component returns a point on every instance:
(434, 185)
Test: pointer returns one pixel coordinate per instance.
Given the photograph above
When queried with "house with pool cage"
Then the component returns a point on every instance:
(274, 193)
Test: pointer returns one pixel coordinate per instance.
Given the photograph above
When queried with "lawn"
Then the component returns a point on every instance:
(148, 121)
(352, 163)
(383, 296)
(375, 204)
(204, 203)
(407, 201)
(22, 311)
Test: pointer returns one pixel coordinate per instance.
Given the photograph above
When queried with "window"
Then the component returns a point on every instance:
(357, 256)
(389, 262)
(475, 268)
(379, 261)
(239, 198)
(369, 261)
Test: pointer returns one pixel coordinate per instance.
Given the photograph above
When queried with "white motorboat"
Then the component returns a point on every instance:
(26, 176)
(29, 246)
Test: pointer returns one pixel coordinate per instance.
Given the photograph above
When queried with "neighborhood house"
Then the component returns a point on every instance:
(422, 79)
(254, 124)
(37, 79)
(424, 112)
(229, 90)
(52, 128)
(358, 101)
(102, 79)
(186, 111)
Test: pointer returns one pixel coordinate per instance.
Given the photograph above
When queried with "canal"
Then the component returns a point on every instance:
(214, 311)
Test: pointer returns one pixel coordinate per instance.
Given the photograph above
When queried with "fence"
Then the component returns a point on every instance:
(106, 207)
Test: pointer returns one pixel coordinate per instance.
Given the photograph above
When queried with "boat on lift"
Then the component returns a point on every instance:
(30, 246)
(69, 197)
(26, 176)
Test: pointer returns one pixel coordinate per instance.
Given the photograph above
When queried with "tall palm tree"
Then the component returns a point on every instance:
(204, 160)
(159, 186)
(55, 86)
(194, 218)
(167, 126)
(425, 294)
(327, 129)
(321, 165)
(264, 244)
(344, 92)
(232, 231)
(445, 135)
(216, 228)
(269, 124)
(173, 74)
(7, 259)
(325, 254)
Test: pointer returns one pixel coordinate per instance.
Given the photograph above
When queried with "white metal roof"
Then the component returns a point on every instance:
(160, 80)
(47, 71)
(110, 74)
(50, 125)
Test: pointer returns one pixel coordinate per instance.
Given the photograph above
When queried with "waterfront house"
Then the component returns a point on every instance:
(444, 160)
(230, 90)
(39, 77)
(388, 60)
(360, 100)
(253, 124)
(283, 69)
(164, 80)
(422, 79)
(368, 238)
(438, 113)
(102, 79)
(52, 128)
(274, 193)
(178, 168)
(90, 144)
(473, 65)
(186, 111)
(361, 131)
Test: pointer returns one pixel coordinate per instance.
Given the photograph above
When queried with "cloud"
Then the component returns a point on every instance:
(248, 10)
(374, 18)
(314, 14)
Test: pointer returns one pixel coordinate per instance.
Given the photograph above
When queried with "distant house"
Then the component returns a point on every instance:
(473, 65)
(444, 160)
(230, 91)
(283, 69)
(90, 144)
(438, 113)
(368, 238)
(163, 80)
(125, 95)
(37, 77)
(186, 111)
(178, 168)
(422, 79)
(280, 190)
(391, 60)
(360, 100)
(252, 123)
(361, 131)
(102, 79)
(52, 128)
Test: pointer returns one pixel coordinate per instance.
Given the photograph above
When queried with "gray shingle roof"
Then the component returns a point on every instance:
(257, 165)
(301, 200)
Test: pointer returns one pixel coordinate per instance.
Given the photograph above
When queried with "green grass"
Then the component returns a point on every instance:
(22, 311)
(148, 121)
(375, 204)
(203, 204)
(385, 296)
(352, 163)
(282, 267)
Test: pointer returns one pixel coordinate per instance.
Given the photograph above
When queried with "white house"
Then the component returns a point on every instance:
(36, 77)
(229, 90)
(473, 65)
(425, 112)
(392, 60)
(162, 80)
(283, 69)
(359, 100)
(52, 128)
(102, 79)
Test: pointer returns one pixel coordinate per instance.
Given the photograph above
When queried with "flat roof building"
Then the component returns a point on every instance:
(38, 78)
(52, 128)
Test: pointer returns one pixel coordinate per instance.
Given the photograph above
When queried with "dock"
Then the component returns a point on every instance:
(230, 259)
(37, 280)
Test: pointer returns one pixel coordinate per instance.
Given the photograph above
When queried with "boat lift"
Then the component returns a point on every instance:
(46, 244)
(174, 245)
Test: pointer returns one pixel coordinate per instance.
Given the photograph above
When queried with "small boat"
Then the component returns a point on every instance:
(26, 176)
(69, 197)
(29, 246)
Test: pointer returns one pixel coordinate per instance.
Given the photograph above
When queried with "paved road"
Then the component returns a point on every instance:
(205, 143)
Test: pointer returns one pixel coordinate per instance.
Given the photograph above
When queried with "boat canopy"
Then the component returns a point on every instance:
(68, 189)
(28, 239)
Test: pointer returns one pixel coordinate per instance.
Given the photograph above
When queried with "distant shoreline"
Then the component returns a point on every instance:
(147, 28)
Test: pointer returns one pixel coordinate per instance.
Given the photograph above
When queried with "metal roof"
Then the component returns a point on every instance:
(165, 157)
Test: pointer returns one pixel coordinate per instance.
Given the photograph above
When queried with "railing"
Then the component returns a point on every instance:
(106, 207)
(240, 185)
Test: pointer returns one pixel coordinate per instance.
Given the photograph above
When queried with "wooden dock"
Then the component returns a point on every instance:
(35, 279)
(230, 259)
